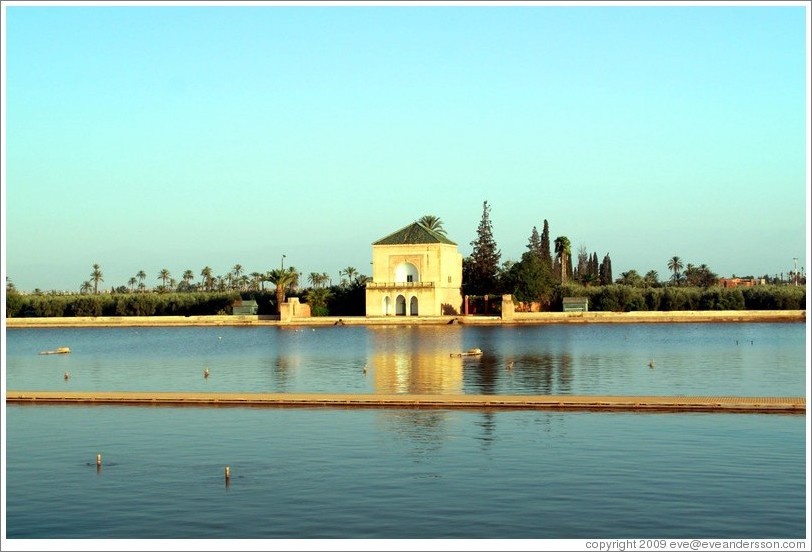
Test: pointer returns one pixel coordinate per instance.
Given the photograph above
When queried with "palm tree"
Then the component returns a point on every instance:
(630, 278)
(432, 223)
(132, 281)
(690, 274)
(282, 279)
(675, 265)
(188, 276)
(85, 287)
(317, 299)
(562, 252)
(206, 276)
(96, 277)
(237, 271)
(651, 278)
(164, 276)
(350, 272)
(141, 276)
(256, 279)
(294, 285)
(589, 279)
(315, 279)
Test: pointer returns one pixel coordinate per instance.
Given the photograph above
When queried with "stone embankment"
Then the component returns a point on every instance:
(518, 319)
(763, 405)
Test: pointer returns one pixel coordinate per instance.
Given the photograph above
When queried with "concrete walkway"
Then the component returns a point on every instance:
(785, 405)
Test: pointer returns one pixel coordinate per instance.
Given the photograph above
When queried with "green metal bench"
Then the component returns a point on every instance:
(246, 306)
(576, 304)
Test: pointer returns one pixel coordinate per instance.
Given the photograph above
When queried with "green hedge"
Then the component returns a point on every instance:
(128, 304)
(622, 298)
(350, 301)
(775, 297)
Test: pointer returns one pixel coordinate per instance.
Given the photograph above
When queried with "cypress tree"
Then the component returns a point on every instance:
(546, 256)
(593, 265)
(606, 271)
(583, 264)
(534, 243)
(484, 257)
(531, 276)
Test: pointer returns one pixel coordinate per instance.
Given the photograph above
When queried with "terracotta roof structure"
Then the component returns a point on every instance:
(414, 233)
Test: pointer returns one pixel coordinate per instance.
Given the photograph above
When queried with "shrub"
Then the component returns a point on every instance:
(144, 304)
(732, 300)
(717, 298)
(652, 297)
(774, 297)
(87, 305)
(618, 298)
(14, 304)
(44, 306)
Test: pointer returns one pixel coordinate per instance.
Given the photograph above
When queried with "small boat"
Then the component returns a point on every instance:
(469, 352)
(58, 351)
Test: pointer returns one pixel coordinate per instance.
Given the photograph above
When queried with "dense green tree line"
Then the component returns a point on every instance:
(120, 304)
(339, 300)
(350, 301)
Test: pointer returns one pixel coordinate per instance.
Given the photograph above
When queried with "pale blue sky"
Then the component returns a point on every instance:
(143, 138)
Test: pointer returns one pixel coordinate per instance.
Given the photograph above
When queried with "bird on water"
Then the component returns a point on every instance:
(206, 373)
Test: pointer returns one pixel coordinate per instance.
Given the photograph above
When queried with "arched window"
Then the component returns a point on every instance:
(413, 306)
(406, 272)
(387, 306)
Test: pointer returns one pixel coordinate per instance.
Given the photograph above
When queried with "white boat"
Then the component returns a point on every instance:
(58, 351)
(469, 352)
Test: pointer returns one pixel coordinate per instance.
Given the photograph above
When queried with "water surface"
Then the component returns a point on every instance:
(399, 473)
(333, 473)
(688, 359)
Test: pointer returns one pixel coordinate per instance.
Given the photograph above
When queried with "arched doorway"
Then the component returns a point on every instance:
(400, 306)
(387, 305)
(413, 306)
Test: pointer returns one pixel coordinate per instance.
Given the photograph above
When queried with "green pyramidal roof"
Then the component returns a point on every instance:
(413, 234)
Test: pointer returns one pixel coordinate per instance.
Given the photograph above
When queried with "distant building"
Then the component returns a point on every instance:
(740, 282)
(415, 272)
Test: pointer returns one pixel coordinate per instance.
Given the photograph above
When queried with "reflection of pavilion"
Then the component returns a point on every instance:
(416, 360)
(282, 367)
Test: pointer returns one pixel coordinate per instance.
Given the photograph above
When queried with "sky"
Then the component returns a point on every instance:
(150, 137)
